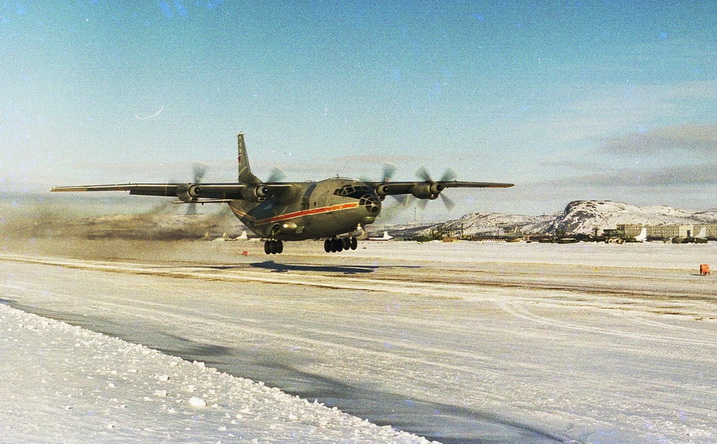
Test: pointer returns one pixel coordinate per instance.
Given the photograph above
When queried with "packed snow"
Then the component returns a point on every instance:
(458, 342)
(68, 384)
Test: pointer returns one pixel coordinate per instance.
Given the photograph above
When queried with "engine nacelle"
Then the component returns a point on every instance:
(382, 191)
(257, 193)
(427, 190)
(189, 193)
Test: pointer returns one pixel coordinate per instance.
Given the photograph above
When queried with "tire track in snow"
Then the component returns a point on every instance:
(662, 325)
(520, 311)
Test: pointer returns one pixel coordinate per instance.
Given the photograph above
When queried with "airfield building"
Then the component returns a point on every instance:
(710, 230)
(663, 231)
(629, 230)
(666, 231)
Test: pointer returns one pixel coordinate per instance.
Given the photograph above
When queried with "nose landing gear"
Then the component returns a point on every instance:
(335, 245)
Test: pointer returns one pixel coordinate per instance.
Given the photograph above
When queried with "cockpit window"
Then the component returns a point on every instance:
(355, 191)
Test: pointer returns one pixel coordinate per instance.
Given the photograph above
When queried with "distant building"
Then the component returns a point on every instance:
(710, 230)
(663, 231)
(629, 230)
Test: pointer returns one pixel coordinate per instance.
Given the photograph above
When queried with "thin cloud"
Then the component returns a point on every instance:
(661, 177)
(613, 109)
(690, 138)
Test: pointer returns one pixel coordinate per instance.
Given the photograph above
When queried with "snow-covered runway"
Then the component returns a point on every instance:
(68, 384)
(455, 342)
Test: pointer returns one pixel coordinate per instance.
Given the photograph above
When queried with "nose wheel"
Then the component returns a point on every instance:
(273, 247)
(335, 245)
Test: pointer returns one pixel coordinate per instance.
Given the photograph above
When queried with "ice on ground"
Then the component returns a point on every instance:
(68, 384)
(467, 341)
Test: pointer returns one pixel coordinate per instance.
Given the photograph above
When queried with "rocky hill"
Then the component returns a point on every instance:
(583, 216)
(492, 224)
(579, 217)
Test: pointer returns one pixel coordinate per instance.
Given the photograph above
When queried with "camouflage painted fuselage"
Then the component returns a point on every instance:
(311, 210)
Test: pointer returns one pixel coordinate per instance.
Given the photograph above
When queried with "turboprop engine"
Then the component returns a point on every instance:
(428, 190)
(189, 193)
(255, 193)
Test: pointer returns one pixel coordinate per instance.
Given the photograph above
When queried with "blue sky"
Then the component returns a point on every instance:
(567, 99)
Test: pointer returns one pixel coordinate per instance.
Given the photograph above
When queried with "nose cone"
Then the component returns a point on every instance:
(372, 204)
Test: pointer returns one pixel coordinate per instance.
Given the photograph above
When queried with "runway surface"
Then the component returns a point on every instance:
(460, 342)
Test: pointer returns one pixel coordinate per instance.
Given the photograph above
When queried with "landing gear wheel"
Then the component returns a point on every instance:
(273, 247)
(333, 245)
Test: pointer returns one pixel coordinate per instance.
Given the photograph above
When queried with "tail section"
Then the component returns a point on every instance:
(245, 174)
(642, 237)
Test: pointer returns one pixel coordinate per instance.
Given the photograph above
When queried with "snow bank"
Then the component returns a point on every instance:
(64, 383)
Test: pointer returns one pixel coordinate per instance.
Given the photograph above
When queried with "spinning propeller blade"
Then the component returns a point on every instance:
(198, 172)
(448, 176)
(276, 176)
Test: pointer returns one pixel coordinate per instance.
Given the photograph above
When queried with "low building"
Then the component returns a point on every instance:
(663, 231)
(707, 230)
(629, 230)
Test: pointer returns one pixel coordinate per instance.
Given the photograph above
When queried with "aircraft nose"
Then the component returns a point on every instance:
(371, 203)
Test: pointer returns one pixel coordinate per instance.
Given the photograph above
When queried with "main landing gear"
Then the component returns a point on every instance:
(273, 247)
(335, 245)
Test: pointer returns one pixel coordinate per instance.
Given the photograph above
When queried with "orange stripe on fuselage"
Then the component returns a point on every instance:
(283, 217)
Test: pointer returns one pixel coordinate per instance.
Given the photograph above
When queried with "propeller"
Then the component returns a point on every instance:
(389, 170)
(198, 172)
(162, 208)
(276, 176)
(389, 212)
(448, 176)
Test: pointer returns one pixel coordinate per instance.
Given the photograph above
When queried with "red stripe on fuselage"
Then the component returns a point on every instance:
(283, 217)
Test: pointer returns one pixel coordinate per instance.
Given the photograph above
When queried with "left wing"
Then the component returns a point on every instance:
(191, 192)
(428, 189)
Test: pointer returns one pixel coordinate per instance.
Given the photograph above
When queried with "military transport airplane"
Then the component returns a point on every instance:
(334, 209)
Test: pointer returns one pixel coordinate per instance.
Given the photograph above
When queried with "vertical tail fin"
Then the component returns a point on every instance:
(245, 174)
(642, 237)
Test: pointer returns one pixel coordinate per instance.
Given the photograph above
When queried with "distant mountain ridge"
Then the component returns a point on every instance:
(583, 216)
(578, 217)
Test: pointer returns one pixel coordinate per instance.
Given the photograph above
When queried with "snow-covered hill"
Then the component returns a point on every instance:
(490, 224)
(579, 217)
(583, 216)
